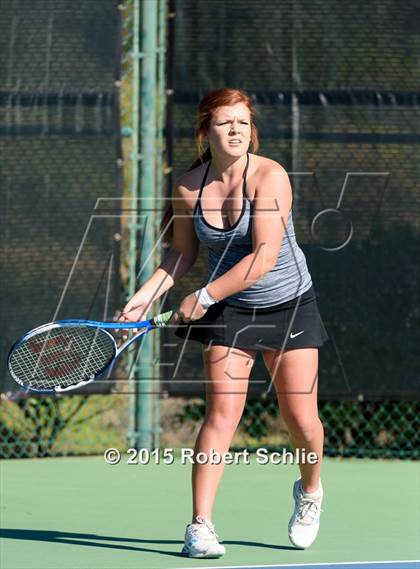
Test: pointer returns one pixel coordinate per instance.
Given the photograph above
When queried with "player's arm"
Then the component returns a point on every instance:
(185, 244)
(272, 204)
(183, 251)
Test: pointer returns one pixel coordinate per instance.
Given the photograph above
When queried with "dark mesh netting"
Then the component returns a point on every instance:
(336, 88)
(59, 254)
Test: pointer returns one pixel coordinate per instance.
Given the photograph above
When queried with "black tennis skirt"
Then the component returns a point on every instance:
(290, 325)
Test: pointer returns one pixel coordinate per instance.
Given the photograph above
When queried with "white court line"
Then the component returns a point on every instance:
(303, 564)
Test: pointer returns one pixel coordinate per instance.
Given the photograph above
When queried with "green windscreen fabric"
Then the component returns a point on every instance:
(58, 146)
(336, 89)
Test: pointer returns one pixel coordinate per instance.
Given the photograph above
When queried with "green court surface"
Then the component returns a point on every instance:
(83, 513)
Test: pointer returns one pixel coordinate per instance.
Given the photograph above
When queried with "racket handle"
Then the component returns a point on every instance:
(162, 319)
(71, 387)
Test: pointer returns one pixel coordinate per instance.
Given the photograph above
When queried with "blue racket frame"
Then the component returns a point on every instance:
(145, 326)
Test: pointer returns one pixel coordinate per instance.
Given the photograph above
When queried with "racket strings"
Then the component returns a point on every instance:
(62, 356)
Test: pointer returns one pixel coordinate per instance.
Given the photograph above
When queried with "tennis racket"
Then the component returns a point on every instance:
(68, 354)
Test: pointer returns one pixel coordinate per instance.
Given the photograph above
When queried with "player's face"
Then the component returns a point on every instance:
(230, 130)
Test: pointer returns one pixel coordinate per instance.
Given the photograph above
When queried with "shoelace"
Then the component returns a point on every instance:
(307, 509)
(203, 522)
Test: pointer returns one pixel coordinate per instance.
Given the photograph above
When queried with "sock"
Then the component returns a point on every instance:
(313, 495)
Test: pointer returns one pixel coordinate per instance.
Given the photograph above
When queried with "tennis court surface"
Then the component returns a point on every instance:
(75, 513)
(356, 565)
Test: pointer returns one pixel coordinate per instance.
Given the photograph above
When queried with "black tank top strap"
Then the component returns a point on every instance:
(203, 182)
(244, 176)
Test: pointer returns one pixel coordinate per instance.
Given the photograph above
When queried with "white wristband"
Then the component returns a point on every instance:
(204, 297)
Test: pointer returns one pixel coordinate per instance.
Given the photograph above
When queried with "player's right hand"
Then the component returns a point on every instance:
(134, 311)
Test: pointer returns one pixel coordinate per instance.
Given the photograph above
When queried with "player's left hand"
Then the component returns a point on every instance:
(190, 309)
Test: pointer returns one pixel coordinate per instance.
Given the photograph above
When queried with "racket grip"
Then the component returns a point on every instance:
(71, 387)
(162, 319)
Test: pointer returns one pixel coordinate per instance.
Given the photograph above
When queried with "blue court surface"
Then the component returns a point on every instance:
(415, 564)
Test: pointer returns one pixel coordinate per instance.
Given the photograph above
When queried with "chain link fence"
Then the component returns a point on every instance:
(84, 425)
(47, 426)
(59, 256)
(335, 91)
(362, 429)
(337, 98)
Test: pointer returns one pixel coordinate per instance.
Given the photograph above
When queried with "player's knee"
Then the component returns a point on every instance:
(305, 428)
(225, 420)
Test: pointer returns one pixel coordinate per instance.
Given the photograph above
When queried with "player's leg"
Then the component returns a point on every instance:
(295, 377)
(227, 373)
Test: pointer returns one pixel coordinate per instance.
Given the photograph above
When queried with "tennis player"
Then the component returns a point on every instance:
(258, 297)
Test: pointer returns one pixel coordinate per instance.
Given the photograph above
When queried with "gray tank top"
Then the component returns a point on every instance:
(288, 279)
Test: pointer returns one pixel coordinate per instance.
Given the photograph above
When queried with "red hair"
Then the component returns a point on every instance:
(223, 97)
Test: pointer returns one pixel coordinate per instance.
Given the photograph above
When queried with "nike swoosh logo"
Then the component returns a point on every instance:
(298, 334)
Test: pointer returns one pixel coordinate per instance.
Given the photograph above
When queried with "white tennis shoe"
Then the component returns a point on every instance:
(304, 523)
(201, 540)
